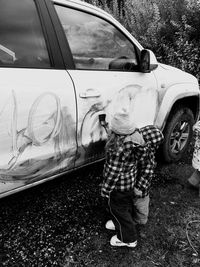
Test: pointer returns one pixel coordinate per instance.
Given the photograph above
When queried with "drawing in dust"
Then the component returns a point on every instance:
(92, 133)
(44, 141)
(141, 103)
(45, 146)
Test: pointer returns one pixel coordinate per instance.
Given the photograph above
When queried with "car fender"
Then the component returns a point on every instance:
(172, 95)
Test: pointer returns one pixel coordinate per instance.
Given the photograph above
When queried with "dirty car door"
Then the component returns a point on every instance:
(106, 73)
(37, 103)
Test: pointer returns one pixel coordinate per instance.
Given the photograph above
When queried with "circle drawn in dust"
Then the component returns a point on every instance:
(44, 118)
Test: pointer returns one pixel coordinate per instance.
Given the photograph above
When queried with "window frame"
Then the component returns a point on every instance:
(58, 33)
(64, 41)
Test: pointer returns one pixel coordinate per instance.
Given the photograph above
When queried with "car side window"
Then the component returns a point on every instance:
(96, 43)
(22, 42)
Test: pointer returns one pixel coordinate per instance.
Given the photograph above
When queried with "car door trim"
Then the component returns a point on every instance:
(61, 39)
(50, 36)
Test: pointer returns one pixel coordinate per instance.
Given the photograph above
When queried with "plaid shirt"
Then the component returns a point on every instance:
(129, 164)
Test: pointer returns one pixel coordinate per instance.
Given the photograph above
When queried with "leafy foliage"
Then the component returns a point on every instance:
(170, 28)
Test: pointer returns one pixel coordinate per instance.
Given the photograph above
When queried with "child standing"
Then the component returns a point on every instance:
(127, 173)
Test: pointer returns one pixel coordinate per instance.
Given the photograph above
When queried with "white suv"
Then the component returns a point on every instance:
(63, 67)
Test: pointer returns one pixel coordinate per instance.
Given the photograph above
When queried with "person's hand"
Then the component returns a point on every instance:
(104, 193)
(138, 193)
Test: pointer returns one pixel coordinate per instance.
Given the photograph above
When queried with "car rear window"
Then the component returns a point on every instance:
(22, 42)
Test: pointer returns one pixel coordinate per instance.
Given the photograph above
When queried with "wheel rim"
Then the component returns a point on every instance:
(179, 136)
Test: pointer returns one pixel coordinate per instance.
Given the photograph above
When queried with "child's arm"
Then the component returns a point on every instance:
(146, 165)
(152, 135)
(144, 178)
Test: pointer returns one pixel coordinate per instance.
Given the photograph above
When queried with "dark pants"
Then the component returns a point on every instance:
(121, 209)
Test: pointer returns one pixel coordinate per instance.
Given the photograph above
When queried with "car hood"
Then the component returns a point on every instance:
(175, 75)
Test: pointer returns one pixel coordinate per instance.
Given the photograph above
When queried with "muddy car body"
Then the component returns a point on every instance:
(64, 64)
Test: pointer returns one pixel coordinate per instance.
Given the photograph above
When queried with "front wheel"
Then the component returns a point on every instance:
(178, 134)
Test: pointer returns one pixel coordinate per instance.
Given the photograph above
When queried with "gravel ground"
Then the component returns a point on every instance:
(39, 226)
(61, 223)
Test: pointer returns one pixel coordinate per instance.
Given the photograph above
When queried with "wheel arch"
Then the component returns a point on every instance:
(191, 102)
(188, 101)
(185, 103)
(177, 133)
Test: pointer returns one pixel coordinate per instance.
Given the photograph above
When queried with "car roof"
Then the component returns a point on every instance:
(83, 6)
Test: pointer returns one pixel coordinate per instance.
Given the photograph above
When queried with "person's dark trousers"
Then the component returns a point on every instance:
(121, 209)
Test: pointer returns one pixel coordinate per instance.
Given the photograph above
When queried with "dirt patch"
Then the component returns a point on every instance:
(61, 223)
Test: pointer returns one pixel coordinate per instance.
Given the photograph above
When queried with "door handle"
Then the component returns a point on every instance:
(90, 92)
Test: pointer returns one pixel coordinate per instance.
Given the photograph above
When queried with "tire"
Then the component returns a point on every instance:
(177, 134)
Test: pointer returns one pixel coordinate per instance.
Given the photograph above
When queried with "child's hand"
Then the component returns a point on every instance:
(104, 193)
(137, 192)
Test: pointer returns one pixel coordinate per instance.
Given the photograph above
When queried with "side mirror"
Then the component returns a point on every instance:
(148, 61)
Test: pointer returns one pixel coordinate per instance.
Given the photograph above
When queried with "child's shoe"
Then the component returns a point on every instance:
(110, 225)
(114, 241)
